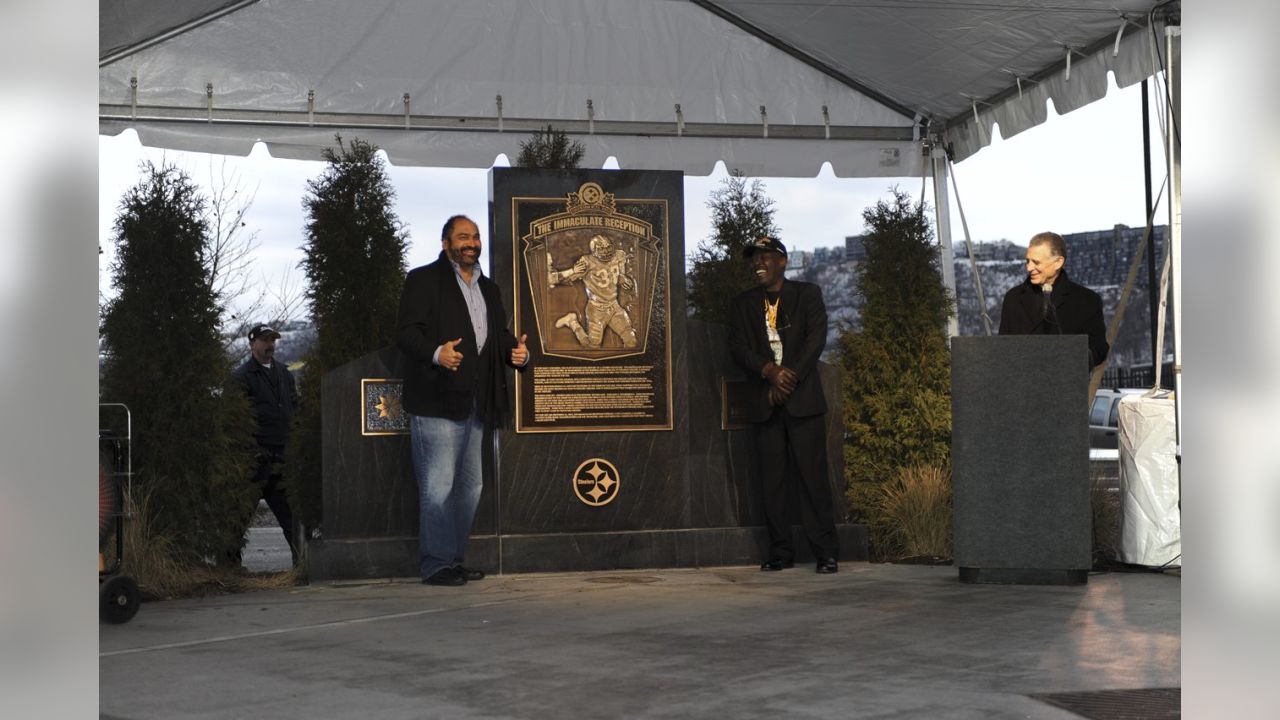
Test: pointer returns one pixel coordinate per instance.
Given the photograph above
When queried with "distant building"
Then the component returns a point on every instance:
(854, 250)
(1002, 250)
(1101, 258)
(828, 256)
(798, 261)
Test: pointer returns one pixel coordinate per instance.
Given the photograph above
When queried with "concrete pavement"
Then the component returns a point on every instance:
(874, 641)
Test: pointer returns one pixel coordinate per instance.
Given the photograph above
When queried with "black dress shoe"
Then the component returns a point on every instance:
(775, 564)
(445, 576)
(469, 574)
(827, 565)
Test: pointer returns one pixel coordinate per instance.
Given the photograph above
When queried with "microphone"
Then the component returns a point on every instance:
(1047, 289)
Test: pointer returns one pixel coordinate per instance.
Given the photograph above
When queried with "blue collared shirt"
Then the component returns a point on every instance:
(475, 303)
(476, 307)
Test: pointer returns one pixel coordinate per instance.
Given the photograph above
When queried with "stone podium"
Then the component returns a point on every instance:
(1020, 459)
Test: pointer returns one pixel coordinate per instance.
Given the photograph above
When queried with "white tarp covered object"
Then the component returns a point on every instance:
(771, 88)
(1150, 496)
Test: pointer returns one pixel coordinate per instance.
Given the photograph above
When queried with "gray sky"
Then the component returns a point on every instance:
(1077, 172)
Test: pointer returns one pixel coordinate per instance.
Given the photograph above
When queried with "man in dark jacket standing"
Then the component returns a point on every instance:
(453, 332)
(274, 396)
(777, 331)
(1049, 303)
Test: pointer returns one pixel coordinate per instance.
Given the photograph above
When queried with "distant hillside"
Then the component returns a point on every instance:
(1098, 259)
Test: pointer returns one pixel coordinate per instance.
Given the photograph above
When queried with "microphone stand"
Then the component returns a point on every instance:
(1050, 312)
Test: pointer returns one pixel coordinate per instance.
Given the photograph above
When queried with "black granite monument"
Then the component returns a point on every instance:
(622, 452)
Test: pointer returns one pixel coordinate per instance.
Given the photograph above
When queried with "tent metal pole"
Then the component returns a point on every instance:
(1153, 288)
(1173, 80)
(942, 220)
(970, 251)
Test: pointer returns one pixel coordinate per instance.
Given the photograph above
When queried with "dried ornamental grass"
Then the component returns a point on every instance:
(162, 571)
(916, 510)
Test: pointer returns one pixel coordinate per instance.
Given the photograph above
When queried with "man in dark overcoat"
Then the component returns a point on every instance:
(1050, 303)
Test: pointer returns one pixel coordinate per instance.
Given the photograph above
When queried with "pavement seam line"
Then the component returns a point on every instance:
(300, 628)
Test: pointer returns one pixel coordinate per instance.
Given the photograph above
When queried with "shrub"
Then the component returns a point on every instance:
(354, 258)
(163, 571)
(740, 213)
(192, 442)
(914, 518)
(550, 148)
(895, 368)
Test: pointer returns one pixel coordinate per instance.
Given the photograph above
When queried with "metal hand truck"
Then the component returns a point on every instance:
(118, 596)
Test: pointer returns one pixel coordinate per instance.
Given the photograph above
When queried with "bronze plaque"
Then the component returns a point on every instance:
(380, 408)
(592, 280)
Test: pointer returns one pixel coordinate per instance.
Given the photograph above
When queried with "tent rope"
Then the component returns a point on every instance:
(1165, 269)
(1113, 328)
(968, 243)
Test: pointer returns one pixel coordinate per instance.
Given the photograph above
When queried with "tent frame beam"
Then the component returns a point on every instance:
(805, 58)
(436, 123)
(188, 26)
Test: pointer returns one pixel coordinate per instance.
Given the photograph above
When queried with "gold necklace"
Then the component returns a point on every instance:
(771, 312)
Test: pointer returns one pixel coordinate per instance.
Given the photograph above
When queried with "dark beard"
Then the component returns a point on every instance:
(458, 256)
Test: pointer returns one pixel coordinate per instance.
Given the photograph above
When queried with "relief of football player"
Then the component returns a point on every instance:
(603, 273)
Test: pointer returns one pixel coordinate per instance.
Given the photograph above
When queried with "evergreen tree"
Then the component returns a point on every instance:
(354, 260)
(550, 148)
(740, 213)
(896, 368)
(192, 445)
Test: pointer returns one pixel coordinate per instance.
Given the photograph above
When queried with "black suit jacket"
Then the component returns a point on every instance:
(433, 312)
(802, 320)
(1076, 310)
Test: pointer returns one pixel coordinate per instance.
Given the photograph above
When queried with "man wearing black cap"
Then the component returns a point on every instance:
(777, 331)
(274, 396)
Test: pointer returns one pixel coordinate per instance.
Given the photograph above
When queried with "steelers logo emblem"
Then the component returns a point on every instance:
(591, 193)
(595, 482)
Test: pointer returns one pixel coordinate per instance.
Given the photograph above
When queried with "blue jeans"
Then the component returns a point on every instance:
(446, 463)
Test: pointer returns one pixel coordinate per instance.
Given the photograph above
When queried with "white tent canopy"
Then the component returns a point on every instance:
(773, 88)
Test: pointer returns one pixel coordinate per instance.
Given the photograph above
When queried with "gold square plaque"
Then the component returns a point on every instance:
(380, 410)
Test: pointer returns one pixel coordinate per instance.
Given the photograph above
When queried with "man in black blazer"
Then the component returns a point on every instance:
(453, 332)
(1049, 303)
(777, 331)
